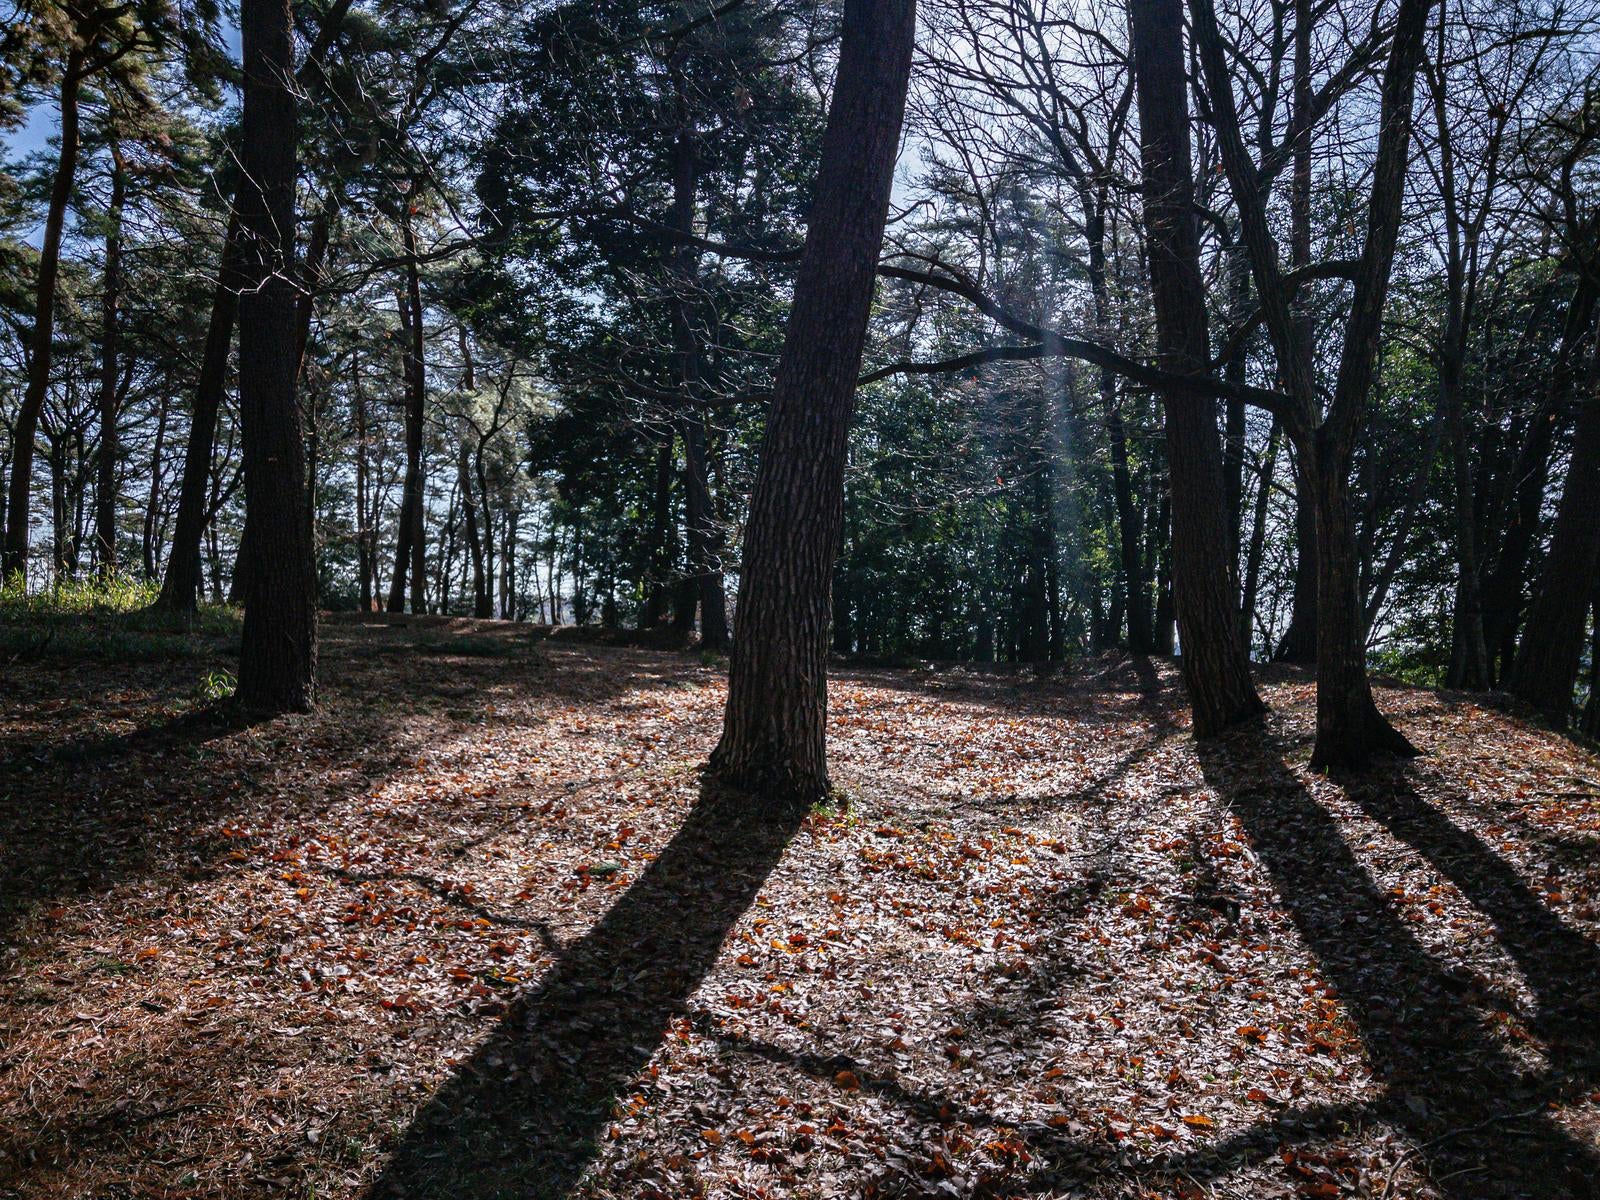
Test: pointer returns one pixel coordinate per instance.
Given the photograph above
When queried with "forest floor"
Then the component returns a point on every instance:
(466, 932)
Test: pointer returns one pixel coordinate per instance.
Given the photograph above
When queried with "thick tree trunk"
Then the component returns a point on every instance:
(1350, 729)
(1215, 668)
(14, 559)
(278, 652)
(773, 737)
(182, 582)
(105, 492)
(1548, 657)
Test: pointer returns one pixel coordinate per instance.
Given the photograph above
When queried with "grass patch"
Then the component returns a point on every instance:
(108, 621)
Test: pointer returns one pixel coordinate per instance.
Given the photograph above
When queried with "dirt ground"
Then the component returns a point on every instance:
(471, 931)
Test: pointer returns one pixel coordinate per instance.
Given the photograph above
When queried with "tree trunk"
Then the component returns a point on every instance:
(14, 559)
(1350, 729)
(409, 549)
(278, 652)
(364, 564)
(105, 493)
(1589, 725)
(1299, 644)
(150, 539)
(1215, 667)
(773, 738)
(703, 557)
(1526, 481)
(1130, 528)
(1258, 538)
(661, 548)
(182, 582)
(1548, 657)
(1349, 726)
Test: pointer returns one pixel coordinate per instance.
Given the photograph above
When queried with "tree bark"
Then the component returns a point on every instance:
(773, 737)
(278, 653)
(1215, 668)
(105, 493)
(14, 559)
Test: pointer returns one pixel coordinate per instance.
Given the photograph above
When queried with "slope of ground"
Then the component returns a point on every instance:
(467, 932)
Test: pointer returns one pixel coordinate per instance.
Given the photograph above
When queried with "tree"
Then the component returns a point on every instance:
(1216, 669)
(98, 40)
(1552, 645)
(774, 727)
(278, 654)
(1349, 727)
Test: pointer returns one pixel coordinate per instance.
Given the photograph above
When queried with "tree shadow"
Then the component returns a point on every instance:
(1477, 1115)
(81, 814)
(1560, 964)
(524, 1115)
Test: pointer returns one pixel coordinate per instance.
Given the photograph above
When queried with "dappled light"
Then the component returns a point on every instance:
(504, 941)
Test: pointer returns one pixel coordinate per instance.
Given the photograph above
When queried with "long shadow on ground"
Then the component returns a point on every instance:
(522, 1117)
(81, 814)
(1477, 1115)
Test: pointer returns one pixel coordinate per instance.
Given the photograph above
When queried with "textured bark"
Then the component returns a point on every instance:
(181, 585)
(1215, 668)
(773, 738)
(278, 652)
(14, 559)
(1549, 655)
(105, 493)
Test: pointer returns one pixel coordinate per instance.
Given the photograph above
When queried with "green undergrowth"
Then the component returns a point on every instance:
(107, 621)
